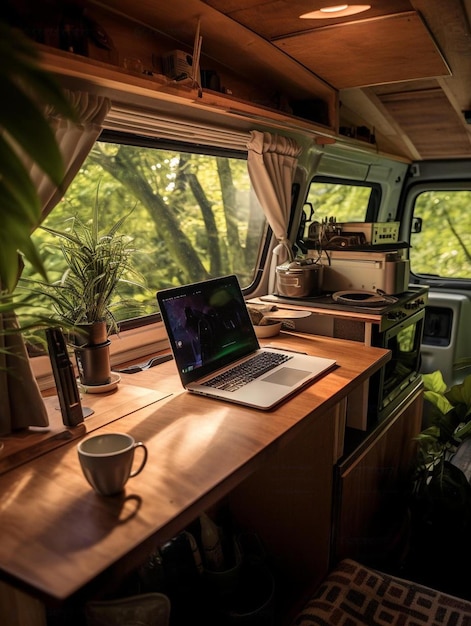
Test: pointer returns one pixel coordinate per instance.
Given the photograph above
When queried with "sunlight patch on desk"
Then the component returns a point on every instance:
(29, 444)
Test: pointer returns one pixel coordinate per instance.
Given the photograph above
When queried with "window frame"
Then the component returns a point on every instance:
(406, 216)
(154, 143)
(374, 202)
(142, 336)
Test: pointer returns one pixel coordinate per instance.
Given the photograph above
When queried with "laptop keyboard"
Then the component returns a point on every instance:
(240, 375)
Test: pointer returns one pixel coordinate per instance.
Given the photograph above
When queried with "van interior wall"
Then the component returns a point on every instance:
(338, 157)
(347, 162)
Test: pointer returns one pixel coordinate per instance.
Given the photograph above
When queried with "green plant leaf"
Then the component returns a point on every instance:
(434, 382)
(13, 238)
(438, 400)
(97, 264)
(16, 180)
(20, 62)
(18, 221)
(461, 393)
(23, 121)
(62, 234)
(8, 261)
(450, 489)
(16, 210)
(25, 130)
(31, 253)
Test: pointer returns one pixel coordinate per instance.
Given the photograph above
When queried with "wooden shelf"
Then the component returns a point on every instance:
(258, 80)
(124, 84)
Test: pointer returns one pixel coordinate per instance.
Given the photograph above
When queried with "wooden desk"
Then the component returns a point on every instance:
(57, 535)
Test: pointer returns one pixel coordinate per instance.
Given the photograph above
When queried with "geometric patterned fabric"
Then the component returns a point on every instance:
(354, 595)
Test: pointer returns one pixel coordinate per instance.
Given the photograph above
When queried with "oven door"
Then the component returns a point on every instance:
(392, 383)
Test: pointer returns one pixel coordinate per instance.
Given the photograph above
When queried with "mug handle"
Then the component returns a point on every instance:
(139, 444)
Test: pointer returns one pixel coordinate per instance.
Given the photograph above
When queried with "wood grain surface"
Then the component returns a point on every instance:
(24, 445)
(57, 534)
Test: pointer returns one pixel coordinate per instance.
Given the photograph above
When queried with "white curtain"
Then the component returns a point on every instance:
(75, 141)
(21, 403)
(272, 161)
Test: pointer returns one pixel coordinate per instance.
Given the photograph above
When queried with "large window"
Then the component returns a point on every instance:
(192, 214)
(443, 245)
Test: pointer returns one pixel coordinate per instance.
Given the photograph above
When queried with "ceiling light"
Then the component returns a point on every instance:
(340, 10)
(340, 7)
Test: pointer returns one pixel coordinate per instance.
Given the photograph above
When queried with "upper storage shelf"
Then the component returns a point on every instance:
(110, 50)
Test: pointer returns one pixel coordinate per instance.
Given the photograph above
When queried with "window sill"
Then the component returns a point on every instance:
(130, 345)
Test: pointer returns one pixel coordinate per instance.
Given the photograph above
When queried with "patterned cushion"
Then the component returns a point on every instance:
(353, 594)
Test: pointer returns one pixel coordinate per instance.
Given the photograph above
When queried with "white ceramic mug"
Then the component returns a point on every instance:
(107, 461)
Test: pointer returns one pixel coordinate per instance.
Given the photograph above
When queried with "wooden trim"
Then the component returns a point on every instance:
(119, 83)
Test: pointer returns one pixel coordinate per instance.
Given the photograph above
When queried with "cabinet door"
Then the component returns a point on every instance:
(288, 502)
(371, 488)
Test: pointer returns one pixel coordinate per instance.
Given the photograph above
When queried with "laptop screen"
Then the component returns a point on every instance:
(208, 325)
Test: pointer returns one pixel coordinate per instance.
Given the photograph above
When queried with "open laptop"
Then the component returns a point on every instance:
(211, 333)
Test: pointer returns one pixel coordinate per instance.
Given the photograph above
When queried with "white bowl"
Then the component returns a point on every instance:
(268, 330)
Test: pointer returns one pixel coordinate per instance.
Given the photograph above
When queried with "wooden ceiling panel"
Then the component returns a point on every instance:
(225, 41)
(437, 134)
(278, 18)
(342, 55)
(388, 50)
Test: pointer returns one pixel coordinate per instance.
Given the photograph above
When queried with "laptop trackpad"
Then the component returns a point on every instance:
(286, 376)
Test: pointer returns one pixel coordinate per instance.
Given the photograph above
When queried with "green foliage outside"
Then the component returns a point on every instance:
(443, 248)
(193, 216)
(346, 203)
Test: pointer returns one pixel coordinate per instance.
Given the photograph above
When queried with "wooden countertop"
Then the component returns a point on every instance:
(365, 315)
(57, 535)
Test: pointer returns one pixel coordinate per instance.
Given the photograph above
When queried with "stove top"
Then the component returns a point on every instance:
(409, 301)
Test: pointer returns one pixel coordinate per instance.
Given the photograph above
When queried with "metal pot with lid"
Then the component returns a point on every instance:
(299, 278)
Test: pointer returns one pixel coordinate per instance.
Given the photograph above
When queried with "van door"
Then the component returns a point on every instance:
(435, 215)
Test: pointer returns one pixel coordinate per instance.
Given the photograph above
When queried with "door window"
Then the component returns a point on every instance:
(441, 234)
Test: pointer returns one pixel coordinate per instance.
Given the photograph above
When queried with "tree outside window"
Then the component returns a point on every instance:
(194, 215)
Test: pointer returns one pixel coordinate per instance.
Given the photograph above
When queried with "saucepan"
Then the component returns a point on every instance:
(300, 278)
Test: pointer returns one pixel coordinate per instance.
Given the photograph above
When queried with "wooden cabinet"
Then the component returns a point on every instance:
(124, 57)
(371, 483)
(288, 502)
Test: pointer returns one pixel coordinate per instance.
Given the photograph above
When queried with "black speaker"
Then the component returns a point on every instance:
(62, 368)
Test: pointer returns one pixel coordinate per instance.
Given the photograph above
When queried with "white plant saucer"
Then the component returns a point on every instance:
(115, 378)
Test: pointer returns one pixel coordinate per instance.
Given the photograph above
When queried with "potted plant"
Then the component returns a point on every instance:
(448, 413)
(439, 478)
(97, 263)
(441, 492)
